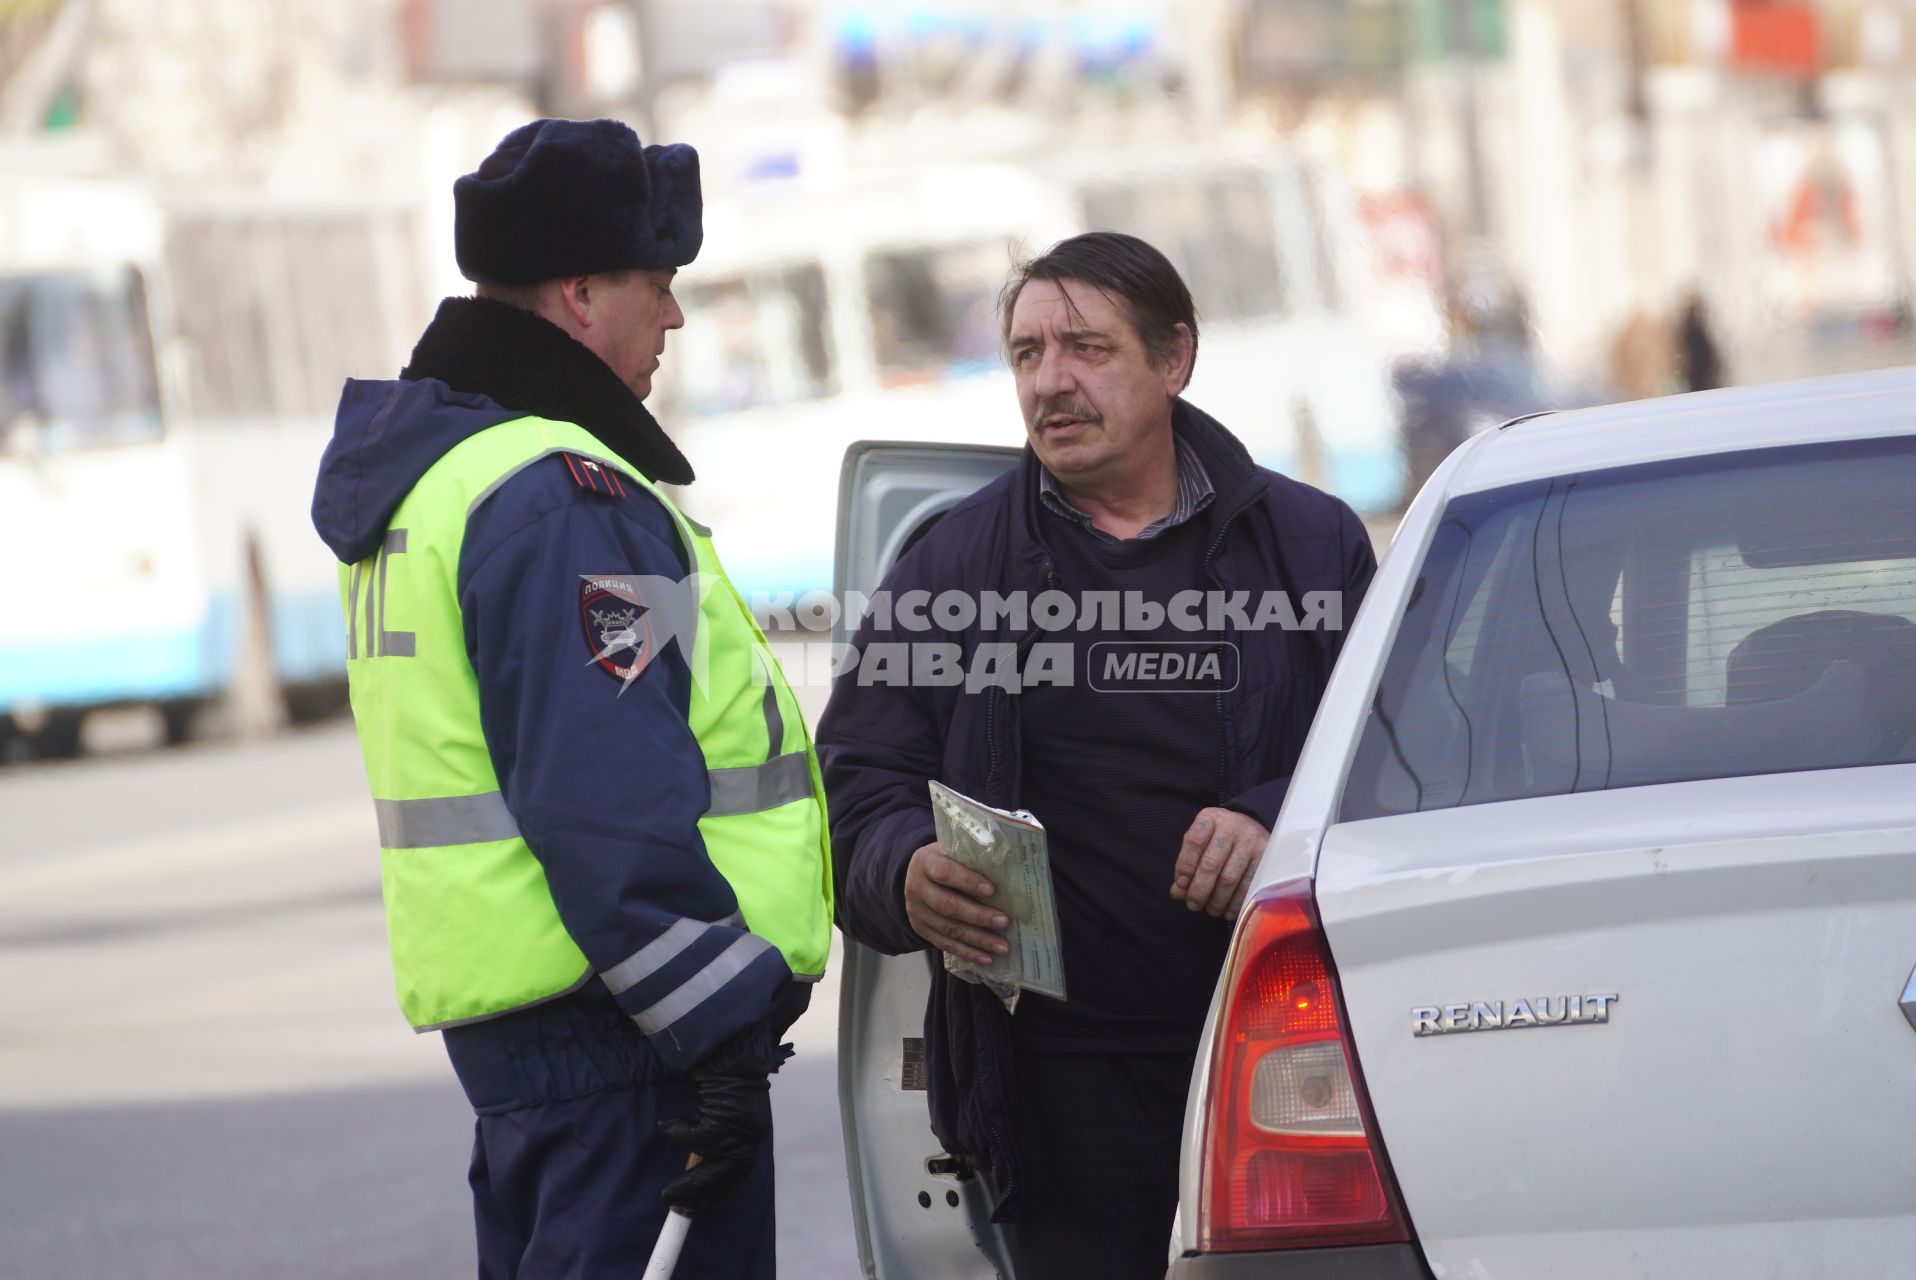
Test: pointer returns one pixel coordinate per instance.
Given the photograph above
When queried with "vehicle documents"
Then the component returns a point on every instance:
(1007, 847)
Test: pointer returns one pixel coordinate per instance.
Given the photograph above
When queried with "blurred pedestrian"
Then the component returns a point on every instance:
(1157, 799)
(1702, 364)
(1643, 356)
(600, 883)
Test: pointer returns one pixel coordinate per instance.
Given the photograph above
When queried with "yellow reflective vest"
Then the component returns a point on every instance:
(473, 926)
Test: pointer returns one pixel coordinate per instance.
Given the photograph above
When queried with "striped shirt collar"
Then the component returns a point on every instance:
(1194, 494)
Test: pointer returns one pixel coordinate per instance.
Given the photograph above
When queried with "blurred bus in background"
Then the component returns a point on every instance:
(865, 309)
(168, 374)
(172, 364)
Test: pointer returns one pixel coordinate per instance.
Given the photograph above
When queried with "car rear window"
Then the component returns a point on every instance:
(1738, 614)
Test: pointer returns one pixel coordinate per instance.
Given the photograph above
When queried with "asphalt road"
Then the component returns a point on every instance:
(202, 1069)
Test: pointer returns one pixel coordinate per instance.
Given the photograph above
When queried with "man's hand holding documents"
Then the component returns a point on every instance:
(946, 904)
(1005, 850)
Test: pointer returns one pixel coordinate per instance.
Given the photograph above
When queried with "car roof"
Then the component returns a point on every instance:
(1846, 407)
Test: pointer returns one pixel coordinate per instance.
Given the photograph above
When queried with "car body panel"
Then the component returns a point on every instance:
(916, 1213)
(1739, 923)
(1358, 1262)
(1311, 800)
(1852, 406)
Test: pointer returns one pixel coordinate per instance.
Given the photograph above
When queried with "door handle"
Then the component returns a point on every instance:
(1909, 1000)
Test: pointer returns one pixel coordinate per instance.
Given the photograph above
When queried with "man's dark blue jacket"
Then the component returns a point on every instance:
(881, 744)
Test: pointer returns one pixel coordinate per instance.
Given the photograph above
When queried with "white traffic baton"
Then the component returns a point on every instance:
(665, 1254)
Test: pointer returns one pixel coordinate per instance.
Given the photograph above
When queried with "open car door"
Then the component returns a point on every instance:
(919, 1214)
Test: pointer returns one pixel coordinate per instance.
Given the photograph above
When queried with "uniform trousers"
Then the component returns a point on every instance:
(567, 1160)
(570, 1191)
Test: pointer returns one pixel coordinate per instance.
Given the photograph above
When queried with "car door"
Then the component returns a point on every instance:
(919, 1214)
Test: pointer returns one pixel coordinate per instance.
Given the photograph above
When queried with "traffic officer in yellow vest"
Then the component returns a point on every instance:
(602, 828)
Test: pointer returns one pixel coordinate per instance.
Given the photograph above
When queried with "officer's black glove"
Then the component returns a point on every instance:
(734, 1119)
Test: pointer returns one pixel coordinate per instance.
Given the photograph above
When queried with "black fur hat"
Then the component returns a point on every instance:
(573, 197)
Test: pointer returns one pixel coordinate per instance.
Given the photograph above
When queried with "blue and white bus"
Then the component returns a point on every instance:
(861, 306)
(168, 371)
(172, 366)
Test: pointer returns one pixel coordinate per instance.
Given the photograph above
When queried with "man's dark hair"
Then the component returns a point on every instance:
(1124, 269)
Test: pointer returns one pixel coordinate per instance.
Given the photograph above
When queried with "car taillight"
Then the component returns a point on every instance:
(1291, 1156)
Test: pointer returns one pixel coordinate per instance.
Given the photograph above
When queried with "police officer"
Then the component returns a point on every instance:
(602, 828)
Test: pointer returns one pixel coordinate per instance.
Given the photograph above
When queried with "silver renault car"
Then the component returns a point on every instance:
(1583, 945)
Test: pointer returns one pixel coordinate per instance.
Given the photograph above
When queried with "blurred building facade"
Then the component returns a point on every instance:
(1593, 165)
(1546, 170)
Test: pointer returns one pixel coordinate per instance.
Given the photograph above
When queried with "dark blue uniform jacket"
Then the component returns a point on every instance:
(880, 744)
(606, 782)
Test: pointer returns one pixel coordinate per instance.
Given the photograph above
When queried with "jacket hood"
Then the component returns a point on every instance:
(479, 363)
(385, 436)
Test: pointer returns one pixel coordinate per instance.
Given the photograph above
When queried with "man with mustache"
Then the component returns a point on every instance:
(602, 838)
(1157, 800)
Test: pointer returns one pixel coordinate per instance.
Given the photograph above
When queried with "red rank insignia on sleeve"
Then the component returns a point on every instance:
(595, 476)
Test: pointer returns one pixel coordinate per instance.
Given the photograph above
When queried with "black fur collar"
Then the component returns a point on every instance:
(526, 362)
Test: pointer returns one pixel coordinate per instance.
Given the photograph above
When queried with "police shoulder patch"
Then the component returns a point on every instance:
(593, 476)
(618, 635)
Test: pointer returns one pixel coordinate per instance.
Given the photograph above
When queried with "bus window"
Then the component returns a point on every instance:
(1218, 230)
(933, 311)
(752, 340)
(331, 325)
(78, 362)
(226, 338)
(280, 308)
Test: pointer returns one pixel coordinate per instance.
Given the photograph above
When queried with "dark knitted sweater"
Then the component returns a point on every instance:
(1116, 768)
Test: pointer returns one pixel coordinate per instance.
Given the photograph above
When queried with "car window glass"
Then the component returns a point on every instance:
(1735, 601)
(1744, 614)
(1466, 637)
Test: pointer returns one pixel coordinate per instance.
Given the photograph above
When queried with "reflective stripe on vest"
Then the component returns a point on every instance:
(422, 824)
(473, 927)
